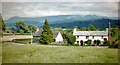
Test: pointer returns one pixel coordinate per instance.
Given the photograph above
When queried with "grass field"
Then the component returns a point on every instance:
(33, 53)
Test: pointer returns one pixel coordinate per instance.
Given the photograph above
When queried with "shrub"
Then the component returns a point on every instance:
(22, 40)
(92, 44)
(116, 45)
(76, 44)
(71, 39)
(21, 31)
(89, 41)
(98, 42)
(105, 41)
(108, 43)
(95, 41)
(102, 45)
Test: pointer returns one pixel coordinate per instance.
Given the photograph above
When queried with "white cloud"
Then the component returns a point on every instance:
(38, 9)
(60, 0)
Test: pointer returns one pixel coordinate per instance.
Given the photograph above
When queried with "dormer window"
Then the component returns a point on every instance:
(92, 37)
(87, 37)
(102, 37)
(77, 36)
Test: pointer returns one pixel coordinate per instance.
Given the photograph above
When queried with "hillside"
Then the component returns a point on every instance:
(56, 21)
(99, 23)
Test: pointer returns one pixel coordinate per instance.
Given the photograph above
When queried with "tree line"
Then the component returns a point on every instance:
(21, 27)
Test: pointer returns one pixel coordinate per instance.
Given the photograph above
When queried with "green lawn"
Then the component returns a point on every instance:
(62, 54)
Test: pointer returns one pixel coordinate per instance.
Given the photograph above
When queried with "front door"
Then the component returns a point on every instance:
(81, 42)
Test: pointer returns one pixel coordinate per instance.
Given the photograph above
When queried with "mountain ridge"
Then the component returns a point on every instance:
(58, 19)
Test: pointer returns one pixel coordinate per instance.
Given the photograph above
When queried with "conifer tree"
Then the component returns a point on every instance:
(3, 24)
(47, 34)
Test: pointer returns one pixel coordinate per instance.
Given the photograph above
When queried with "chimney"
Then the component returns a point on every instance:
(37, 29)
(106, 29)
(75, 29)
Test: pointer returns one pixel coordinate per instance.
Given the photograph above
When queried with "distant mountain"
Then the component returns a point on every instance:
(38, 21)
(98, 23)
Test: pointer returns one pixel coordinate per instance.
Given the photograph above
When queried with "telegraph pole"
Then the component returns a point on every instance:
(31, 35)
(109, 33)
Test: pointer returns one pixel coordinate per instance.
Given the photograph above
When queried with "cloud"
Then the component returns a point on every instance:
(39, 9)
(60, 0)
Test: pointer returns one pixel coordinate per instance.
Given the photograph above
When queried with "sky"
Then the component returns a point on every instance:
(39, 9)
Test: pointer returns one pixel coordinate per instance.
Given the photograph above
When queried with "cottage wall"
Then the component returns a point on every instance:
(59, 37)
(92, 35)
(83, 38)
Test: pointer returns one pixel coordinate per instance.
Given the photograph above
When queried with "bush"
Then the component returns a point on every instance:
(95, 41)
(102, 45)
(7, 34)
(21, 31)
(108, 43)
(76, 44)
(114, 45)
(22, 40)
(71, 39)
(89, 41)
(98, 42)
(92, 44)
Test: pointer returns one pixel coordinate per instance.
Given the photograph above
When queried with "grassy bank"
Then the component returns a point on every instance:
(59, 54)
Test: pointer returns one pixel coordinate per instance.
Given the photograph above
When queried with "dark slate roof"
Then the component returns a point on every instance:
(37, 33)
(55, 34)
(90, 33)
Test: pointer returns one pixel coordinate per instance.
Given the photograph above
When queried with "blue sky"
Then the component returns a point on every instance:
(39, 9)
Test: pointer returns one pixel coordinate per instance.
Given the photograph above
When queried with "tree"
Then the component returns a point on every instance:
(105, 41)
(71, 39)
(3, 24)
(92, 28)
(3, 28)
(83, 29)
(33, 27)
(47, 34)
(88, 29)
(26, 30)
(89, 41)
(57, 29)
(21, 31)
(98, 42)
(20, 25)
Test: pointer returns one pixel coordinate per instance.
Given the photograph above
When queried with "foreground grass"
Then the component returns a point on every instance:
(65, 54)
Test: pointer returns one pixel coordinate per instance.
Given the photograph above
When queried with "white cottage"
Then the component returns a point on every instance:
(57, 36)
(82, 36)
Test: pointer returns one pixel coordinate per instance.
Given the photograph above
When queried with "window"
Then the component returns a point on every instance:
(77, 36)
(102, 37)
(87, 37)
(92, 37)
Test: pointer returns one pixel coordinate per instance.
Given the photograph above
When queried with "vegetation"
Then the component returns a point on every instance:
(8, 34)
(22, 27)
(47, 35)
(89, 41)
(71, 39)
(22, 40)
(3, 24)
(46, 54)
(115, 33)
(98, 42)
(32, 27)
(103, 23)
(3, 28)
